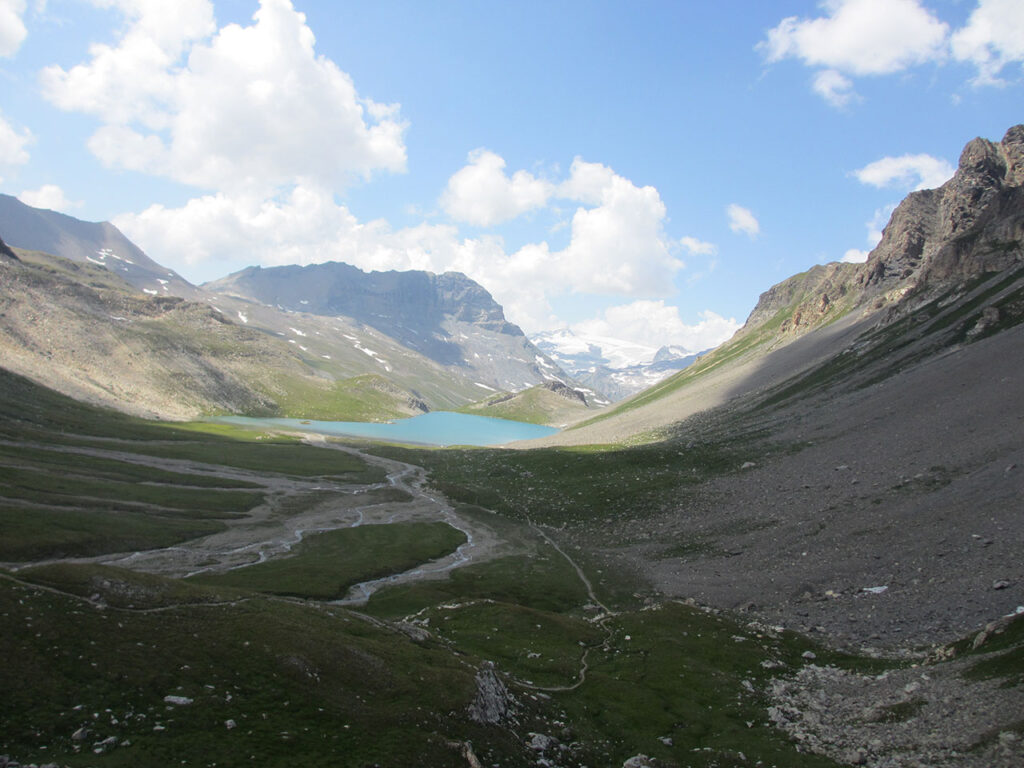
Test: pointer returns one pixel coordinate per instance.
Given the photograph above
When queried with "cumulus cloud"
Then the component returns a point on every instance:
(229, 109)
(906, 172)
(834, 88)
(50, 197)
(480, 193)
(860, 37)
(13, 144)
(854, 256)
(619, 245)
(883, 37)
(698, 247)
(269, 131)
(12, 26)
(992, 39)
(616, 246)
(742, 220)
(656, 323)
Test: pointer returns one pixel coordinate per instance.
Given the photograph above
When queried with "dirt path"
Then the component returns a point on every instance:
(601, 621)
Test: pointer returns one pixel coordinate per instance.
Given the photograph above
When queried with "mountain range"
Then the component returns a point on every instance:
(612, 367)
(802, 549)
(326, 340)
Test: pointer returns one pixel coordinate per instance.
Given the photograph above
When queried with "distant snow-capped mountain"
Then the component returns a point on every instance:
(614, 367)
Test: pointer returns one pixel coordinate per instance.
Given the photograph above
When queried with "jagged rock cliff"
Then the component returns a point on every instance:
(972, 224)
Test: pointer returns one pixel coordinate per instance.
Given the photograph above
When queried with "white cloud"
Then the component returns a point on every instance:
(854, 256)
(13, 144)
(50, 197)
(742, 220)
(698, 247)
(234, 109)
(618, 246)
(858, 37)
(12, 27)
(653, 323)
(834, 87)
(992, 39)
(906, 172)
(861, 37)
(481, 194)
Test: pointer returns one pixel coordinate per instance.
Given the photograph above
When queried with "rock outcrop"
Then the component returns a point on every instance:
(492, 703)
(972, 224)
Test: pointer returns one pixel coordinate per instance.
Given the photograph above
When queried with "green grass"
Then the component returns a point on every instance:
(1001, 656)
(278, 456)
(123, 588)
(573, 486)
(29, 412)
(28, 534)
(542, 581)
(537, 647)
(64, 461)
(323, 566)
(536, 405)
(369, 397)
(71, 488)
(302, 686)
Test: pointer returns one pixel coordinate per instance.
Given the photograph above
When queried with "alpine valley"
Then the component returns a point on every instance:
(801, 548)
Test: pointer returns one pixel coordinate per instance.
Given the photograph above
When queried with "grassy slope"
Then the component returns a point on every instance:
(536, 405)
(188, 357)
(668, 672)
(325, 565)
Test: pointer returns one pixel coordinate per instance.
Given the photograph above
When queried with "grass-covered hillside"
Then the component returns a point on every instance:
(82, 329)
(552, 404)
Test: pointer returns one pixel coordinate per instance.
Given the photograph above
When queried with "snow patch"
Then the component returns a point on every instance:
(484, 386)
(150, 291)
(243, 318)
(296, 331)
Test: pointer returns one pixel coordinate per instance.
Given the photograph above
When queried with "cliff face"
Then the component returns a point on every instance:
(972, 224)
(412, 299)
(449, 318)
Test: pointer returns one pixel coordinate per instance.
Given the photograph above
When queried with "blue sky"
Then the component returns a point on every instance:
(642, 170)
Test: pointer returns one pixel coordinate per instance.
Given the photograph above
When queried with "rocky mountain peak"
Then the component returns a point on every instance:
(972, 224)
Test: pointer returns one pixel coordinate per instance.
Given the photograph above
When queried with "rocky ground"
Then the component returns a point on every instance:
(888, 520)
(890, 516)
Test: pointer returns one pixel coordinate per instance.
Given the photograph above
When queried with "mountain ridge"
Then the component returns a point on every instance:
(448, 317)
(439, 339)
(613, 368)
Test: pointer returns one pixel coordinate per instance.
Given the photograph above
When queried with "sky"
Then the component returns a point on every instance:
(641, 170)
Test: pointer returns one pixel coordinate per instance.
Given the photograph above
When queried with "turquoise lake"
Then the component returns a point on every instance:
(439, 428)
